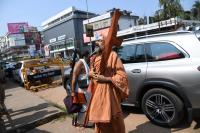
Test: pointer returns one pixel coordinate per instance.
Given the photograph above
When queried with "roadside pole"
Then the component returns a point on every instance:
(91, 47)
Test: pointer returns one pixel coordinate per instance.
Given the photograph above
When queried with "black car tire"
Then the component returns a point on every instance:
(162, 107)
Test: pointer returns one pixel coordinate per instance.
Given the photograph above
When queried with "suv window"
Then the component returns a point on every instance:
(162, 51)
(131, 53)
(140, 53)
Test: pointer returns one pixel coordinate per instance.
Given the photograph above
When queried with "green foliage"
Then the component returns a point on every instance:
(141, 21)
(172, 8)
(169, 9)
(187, 15)
(195, 11)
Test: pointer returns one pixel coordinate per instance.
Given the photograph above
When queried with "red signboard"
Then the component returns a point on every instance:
(33, 38)
(17, 27)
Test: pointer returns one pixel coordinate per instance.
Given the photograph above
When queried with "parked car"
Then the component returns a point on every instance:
(17, 72)
(163, 72)
(8, 67)
(38, 68)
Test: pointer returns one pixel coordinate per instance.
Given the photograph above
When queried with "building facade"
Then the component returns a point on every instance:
(102, 23)
(2, 42)
(2, 45)
(64, 32)
(20, 43)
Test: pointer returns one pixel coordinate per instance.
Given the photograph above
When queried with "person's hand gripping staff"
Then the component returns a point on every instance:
(99, 78)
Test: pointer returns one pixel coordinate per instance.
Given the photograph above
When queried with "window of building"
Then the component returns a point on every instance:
(163, 51)
(96, 26)
(105, 24)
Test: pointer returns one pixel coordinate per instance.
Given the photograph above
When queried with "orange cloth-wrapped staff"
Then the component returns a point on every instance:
(111, 40)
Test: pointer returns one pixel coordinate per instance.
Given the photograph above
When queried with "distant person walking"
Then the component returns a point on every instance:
(79, 84)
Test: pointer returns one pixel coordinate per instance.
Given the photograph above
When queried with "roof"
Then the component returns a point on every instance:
(60, 14)
(159, 34)
(148, 27)
(98, 18)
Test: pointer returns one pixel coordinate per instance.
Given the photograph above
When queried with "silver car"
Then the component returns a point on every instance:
(164, 75)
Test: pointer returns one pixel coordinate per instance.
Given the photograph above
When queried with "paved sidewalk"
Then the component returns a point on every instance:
(135, 120)
(26, 110)
(53, 95)
(30, 109)
(62, 125)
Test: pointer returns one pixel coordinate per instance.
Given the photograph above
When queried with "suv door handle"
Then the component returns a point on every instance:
(136, 71)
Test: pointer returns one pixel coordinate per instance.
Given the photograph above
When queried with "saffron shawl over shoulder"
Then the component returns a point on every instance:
(108, 96)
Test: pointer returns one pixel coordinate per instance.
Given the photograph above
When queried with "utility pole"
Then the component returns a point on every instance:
(88, 24)
(198, 13)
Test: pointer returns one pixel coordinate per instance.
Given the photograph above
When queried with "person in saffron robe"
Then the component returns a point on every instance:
(108, 90)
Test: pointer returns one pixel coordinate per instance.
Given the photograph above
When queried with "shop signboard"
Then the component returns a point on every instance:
(39, 76)
(33, 38)
(20, 42)
(17, 27)
(62, 37)
(16, 40)
(52, 40)
(97, 35)
(89, 30)
(11, 42)
(32, 50)
(2, 39)
(46, 50)
(32, 29)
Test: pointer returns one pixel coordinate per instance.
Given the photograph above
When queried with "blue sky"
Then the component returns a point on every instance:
(36, 11)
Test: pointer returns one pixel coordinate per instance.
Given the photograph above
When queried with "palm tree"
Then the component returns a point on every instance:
(164, 3)
(187, 15)
(171, 8)
(196, 10)
(159, 15)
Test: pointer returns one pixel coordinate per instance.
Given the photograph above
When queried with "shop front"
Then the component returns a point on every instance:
(62, 48)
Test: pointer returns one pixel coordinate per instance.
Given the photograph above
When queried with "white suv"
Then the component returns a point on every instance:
(164, 75)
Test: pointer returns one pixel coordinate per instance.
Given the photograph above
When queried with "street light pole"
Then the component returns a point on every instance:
(88, 23)
(87, 8)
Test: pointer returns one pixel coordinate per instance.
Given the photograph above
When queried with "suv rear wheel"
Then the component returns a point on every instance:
(162, 107)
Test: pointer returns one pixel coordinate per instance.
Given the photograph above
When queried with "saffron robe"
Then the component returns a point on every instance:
(106, 97)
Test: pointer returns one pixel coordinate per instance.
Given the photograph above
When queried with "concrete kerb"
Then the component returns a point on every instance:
(26, 127)
(39, 122)
(28, 111)
(33, 124)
